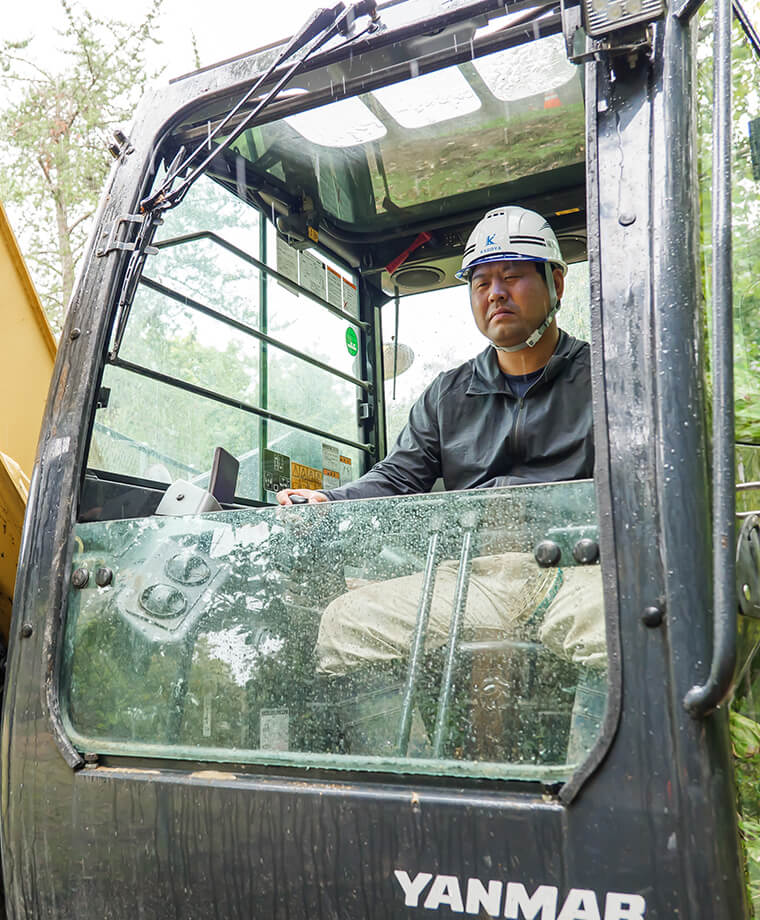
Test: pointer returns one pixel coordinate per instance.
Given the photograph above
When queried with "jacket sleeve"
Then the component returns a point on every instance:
(414, 463)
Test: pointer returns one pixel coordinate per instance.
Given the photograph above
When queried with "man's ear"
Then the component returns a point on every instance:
(559, 282)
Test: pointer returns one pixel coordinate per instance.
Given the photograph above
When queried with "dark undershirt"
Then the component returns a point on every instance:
(519, 384)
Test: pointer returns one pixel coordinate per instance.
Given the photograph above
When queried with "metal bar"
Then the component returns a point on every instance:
(236, 403)
(375, 370)
(753, 36)
(746, 486)
(687, 9)
(455, 626)
(263, 353)
(395, 337)
(262, 266)
(701, 700)
(248, 330)
(418, 645)
(164, 458)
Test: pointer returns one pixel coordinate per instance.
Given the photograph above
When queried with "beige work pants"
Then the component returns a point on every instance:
(508, 595)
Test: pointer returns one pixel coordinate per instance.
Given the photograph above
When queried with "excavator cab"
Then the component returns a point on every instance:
(498, 701)
(264, 330)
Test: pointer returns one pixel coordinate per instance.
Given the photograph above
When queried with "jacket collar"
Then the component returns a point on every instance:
(487, 376)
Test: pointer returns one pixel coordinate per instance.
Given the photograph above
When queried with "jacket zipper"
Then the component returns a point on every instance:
(519, 416)
(515, 438)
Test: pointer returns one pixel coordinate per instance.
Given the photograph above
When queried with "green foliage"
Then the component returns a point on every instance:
(746, 215)
(54, 137)
(538, 141)
(750, 831)
(745, 741)
(745, 736)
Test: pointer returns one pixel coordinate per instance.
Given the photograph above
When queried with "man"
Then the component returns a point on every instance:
(520, 412)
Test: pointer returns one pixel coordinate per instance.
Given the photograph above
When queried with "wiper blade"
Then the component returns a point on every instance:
(321, 26)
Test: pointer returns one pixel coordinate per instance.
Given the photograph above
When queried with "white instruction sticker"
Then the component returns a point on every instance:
(330, 467)
(350, 298)
(330, 458)
(287, 260)
(312, 274)
(208, 700)
(346, 474)
(274, 728)
(333, 288)
(330, 479)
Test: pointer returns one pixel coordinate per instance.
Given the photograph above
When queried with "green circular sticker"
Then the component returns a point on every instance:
(352, 343)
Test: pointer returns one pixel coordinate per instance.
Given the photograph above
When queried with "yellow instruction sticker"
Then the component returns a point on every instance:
(304, 477)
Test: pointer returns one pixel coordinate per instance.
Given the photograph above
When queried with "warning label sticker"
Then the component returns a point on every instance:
(304, 477)
(309, 272)
(330, 457)
(350, 298)
(312, 274)
(330, 466)
(274, 730)
(334, 288)
(345, 470)
(276, 471)
(330, 479)
(287, 260)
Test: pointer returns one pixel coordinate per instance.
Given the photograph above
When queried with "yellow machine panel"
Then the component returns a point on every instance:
(27, 353)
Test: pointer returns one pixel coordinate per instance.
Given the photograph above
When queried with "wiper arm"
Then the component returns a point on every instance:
(319, 29)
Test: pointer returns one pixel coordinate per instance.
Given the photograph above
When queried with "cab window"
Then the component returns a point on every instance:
(451, 634)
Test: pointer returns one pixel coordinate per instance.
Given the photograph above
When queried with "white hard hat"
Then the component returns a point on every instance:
(514, 234)
(511, 234)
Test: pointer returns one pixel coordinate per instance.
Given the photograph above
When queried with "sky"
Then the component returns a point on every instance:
(223, 28)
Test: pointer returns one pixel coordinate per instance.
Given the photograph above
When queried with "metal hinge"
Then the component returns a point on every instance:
(581, 48)
(104, 395)
(365, 411)
(110, 241)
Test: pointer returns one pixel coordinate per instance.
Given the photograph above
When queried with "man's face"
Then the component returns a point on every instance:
(510, 300)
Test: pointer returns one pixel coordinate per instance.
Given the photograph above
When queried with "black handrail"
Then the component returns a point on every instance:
(702, 699)
(249, 330)
(257, 263)
(237, 404)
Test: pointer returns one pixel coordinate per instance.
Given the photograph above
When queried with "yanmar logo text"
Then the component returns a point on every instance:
(512, 900)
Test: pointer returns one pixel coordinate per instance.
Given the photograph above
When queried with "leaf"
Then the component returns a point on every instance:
(745, 736)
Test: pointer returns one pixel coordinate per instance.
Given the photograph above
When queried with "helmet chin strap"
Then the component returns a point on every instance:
(535, 336)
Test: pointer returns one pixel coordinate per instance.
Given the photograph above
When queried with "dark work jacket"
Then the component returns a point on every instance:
(469, 429)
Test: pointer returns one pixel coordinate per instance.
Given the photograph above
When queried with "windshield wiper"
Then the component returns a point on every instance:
(323, 25)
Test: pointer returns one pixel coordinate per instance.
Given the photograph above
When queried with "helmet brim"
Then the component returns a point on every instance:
(464, 273)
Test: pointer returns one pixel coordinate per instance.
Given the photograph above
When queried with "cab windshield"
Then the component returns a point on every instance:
(301, 298)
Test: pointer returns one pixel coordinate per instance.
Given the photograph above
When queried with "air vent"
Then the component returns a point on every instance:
(418, 277)
(573, 247)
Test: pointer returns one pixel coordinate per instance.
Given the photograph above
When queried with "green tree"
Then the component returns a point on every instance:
(54, 137)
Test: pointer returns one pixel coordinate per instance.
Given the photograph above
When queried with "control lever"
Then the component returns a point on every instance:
(224, 476)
